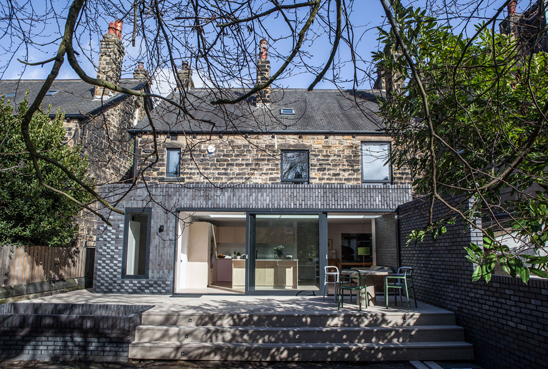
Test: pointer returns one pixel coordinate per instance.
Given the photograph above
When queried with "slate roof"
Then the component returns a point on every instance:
(75, 97)
(315, 111)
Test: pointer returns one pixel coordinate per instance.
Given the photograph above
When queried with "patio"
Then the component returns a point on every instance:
(282, 328)
(203, 301)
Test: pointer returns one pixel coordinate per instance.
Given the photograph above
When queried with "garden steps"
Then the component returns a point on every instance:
(301, 351)
(374, 335)
(436, 333)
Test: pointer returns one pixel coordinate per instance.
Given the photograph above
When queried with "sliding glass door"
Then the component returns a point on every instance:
(284, 252)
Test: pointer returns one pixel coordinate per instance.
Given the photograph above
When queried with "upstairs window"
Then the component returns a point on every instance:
(173, 162)
(294, 166)
(375, 165)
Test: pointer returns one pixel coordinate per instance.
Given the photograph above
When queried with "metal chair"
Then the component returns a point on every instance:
(331, 271)
(400, 281)
(352, 283)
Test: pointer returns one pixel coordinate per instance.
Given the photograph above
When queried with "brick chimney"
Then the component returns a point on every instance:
(185, 81)
(263, 72)
(510, 24)
(140, 72)
(111, 57)
(388, 80)
(512, 7)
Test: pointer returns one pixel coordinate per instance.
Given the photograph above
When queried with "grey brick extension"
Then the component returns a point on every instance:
(165, 199)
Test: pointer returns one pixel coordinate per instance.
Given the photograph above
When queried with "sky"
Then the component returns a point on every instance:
(366, 13)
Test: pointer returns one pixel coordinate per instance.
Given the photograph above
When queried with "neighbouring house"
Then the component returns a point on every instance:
(99, 121)
(283, 184)
(524, 27)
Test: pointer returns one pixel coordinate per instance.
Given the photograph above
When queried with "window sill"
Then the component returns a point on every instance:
(135, 277)
(171, 179)
(295, 182)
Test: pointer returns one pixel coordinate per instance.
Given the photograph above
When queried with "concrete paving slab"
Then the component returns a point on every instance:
(231, 304)
(201, 365)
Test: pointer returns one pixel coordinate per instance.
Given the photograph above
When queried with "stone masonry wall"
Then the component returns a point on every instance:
(109, 147)
(257, 159)
(505, 320)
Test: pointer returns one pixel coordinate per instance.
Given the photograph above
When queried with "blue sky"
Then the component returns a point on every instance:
(365, 15)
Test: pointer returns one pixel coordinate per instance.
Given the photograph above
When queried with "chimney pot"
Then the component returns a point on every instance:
(512, 7)
(263, 49)
(141, 66)
(119, 29)
(112, 28)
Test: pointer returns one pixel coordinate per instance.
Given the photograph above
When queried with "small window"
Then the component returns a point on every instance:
(287, 111)
(375, 166)
(136, 243)
(173, 162)
(12, 94)
(52, 92)
(294, 166)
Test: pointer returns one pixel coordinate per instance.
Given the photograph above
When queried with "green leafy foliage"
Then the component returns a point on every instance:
(30, 214)
(483, 137)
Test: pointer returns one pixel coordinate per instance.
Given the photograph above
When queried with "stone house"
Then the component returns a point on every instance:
(283, 183)
(96, 119)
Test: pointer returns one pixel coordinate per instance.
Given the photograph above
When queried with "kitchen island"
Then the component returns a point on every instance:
(269, 273)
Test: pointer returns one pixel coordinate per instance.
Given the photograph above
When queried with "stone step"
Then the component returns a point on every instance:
(429, 333)
(301, 351)
(334, 319)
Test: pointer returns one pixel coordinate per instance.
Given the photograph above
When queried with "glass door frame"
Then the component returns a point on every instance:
(250, 259)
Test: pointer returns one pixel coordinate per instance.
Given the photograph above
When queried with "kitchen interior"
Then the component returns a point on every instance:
(217, 250)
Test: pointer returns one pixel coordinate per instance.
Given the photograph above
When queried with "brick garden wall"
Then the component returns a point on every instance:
(62, 332)
(333, 160)
(505, 320)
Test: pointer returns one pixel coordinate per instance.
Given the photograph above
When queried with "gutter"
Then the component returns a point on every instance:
(324, 132)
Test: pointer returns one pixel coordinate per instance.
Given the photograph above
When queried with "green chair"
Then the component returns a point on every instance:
(403, 280)
(354, 282)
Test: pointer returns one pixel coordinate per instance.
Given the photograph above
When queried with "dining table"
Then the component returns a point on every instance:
(369, 291)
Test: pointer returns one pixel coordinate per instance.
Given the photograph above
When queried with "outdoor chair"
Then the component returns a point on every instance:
(331, 272)
(354, 282)
(403, 280)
